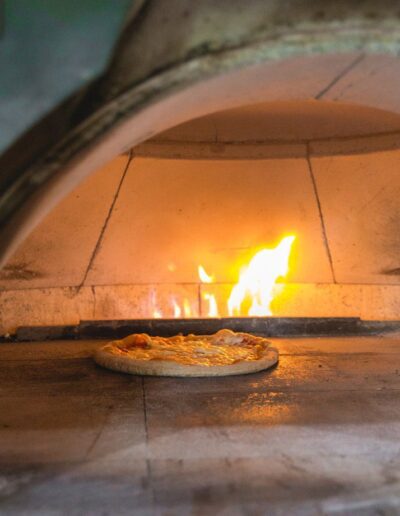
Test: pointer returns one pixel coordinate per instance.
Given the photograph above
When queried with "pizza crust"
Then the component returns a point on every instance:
(111, 357)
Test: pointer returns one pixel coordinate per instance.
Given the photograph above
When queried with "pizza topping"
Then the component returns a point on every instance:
(138, 340)
(223, 348)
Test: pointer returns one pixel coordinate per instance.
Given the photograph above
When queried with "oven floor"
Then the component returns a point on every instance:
(319, 434)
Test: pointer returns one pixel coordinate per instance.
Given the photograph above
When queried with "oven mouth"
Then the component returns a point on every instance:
(224, 190)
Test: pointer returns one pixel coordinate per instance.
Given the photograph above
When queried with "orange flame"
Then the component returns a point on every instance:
(177, 309)
(257, 280)
(187, 311)
(212, 305)
(204, 277)
(157, 314)
(251, 295)
(210, 298)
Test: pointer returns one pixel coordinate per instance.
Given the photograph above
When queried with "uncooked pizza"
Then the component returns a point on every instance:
(224, 353)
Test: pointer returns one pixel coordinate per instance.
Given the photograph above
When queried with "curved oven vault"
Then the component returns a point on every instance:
(230, 129)
(35, 180)
(127, 243)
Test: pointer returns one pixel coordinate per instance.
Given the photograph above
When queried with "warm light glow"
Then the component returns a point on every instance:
(257, 280)
(187, 311)
(253, 293)
(177, 309)
(204, 277)
(210, 298)
(157, 314)
(212, 305)
(171, 267)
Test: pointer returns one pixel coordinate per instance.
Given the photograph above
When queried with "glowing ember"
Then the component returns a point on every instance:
(157, 314)
(257, 280)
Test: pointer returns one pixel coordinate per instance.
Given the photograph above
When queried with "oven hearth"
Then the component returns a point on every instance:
(318, 434)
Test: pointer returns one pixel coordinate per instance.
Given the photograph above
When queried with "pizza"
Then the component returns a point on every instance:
(221, 354)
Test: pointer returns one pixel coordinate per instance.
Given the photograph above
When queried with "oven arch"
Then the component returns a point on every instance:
(200, 79)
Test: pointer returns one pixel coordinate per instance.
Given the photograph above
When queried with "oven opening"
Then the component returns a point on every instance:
(272, 217)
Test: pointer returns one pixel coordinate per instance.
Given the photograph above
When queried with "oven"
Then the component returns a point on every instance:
(232, 167)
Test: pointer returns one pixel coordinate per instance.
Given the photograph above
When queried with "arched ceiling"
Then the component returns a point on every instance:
(290, 121)
(171, 67)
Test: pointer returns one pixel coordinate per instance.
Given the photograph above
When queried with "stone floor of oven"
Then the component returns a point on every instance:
(318, 434)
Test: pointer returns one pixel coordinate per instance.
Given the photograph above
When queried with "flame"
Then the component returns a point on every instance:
(177, 309)
(157, 314)
(187, 311)
(253, 293)
(257, 280)
(204, 277)
(212, 305)
(210, 298)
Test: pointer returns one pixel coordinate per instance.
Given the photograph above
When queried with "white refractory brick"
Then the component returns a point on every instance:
(68, 306)
(57, 253)
(172, 215)
(44, 307)
(359, 197)
(145, 301)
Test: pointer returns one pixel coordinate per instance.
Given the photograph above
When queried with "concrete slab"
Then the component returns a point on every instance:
(48, 350)
(70, 489)
(303, 373)
(317, 435)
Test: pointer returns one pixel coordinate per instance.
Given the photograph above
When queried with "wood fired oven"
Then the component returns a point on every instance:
(128, 242)
(216, 130)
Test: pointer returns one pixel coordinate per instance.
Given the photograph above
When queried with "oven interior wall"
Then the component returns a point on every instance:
(318, 162)
(127, 242)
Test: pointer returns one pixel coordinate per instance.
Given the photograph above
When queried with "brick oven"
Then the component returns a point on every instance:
(132, 204)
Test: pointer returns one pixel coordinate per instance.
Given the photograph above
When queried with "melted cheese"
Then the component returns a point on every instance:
(223, 348)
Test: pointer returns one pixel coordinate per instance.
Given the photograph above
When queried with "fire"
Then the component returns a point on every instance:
(204, 277)
(177, 309)
(212, 305)
(157, 314)
(251, 295)
(187, 311)
(257, 280)
(210, 298)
